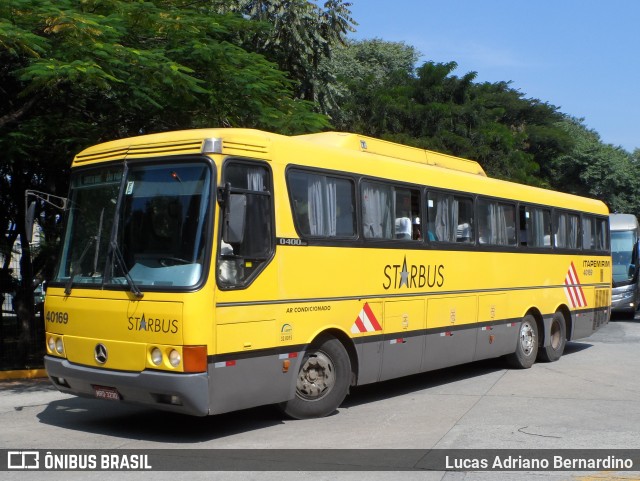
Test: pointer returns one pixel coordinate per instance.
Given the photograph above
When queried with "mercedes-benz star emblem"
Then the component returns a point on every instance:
(100, 353)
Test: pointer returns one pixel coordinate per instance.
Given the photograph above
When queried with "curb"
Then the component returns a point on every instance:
(23, 374)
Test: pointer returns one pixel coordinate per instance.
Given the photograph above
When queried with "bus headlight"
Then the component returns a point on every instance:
(156, 356)
(174, 358)
(52, 344)
(59, 346)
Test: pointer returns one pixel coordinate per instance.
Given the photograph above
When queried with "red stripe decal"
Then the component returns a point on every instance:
(372, 317)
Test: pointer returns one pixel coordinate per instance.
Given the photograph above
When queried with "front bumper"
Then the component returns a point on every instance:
(183, 393)
(624, 300)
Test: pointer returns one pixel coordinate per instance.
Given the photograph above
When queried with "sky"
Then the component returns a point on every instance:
(582, 56)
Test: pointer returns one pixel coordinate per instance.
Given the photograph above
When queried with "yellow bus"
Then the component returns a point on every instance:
(213, 270)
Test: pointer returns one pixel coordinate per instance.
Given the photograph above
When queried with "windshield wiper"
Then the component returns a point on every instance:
(69, 284)
(113, 244)
(119, 258)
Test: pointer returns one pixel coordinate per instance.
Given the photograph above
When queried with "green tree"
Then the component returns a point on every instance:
(371, 77)
(595, 169)
(74, 73)
(384, 95)
(299, 36)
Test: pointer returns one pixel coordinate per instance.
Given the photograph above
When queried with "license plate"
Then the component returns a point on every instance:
(109, 393)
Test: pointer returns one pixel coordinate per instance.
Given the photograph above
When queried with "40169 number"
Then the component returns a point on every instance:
(57, 317)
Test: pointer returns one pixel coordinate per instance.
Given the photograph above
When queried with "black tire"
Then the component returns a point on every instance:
(323, 380)
(527, 347)
(557, 339)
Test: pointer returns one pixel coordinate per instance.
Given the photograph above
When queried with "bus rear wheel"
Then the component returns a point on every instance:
(527, 347)
(323, 380)
(557, 339)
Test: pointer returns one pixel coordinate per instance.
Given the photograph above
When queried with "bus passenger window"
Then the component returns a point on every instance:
(523, 218)
(322, 205)
(573, 222)
(377, 218)
(588, 235)
(602, 235)
(496, 223)
(560, 230)
(566, 230)
(407, 219)
(538, 227)
(450, 218)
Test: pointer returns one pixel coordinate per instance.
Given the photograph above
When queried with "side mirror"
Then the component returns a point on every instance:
(632, 270)
(29, 215)
(28, 220)
(235, 219)
(235, 210)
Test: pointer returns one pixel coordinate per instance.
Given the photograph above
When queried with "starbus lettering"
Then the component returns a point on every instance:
(153, 324)
(413, 275)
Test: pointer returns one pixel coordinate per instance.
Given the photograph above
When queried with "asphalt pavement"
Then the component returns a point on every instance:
(589, 399)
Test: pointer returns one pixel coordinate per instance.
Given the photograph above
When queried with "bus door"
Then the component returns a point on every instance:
(247, 365)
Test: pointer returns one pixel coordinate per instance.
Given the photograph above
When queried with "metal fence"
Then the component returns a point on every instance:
(18, 349)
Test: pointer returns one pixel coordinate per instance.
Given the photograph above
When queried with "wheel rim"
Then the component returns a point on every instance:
(555, 335)
(527, 338)
(316, 378)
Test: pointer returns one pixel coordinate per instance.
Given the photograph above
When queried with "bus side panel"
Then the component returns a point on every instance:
(583, 325)
(587, 321)
(403, 349)
(452, 333)
(497, 335)
(369, 357)
(370, 350)
(254, 381)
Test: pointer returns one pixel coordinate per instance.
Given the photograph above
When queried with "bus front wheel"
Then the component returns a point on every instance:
(557, 339)
(323, 380)
(527, 347)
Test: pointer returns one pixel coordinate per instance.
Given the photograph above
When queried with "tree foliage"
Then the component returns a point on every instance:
(300, 36)
(598, 170)
(73, 73)
(383, 95)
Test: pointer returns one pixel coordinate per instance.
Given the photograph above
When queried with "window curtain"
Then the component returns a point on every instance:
(587, 239)
(539, 227)
(322, 205)
(461, 231)
(255, 178)
(497, 225)
(376, 211)
(443, 227)
(491, 234)
(602, 235)
(572, 235)
(502, 229)
(447, 218)
(561, 234)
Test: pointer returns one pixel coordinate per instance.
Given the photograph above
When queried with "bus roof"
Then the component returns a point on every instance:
(336, 151)
(361, 143)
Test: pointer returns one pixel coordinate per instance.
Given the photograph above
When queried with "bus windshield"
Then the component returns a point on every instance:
(153, 233)
(622, 252)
